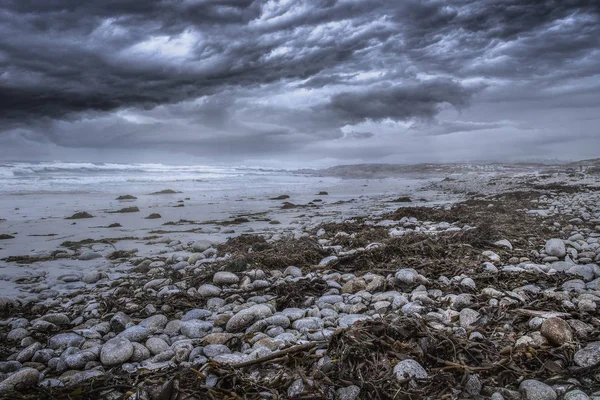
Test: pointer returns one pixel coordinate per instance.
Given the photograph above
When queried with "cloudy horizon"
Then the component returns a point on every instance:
(296, 83)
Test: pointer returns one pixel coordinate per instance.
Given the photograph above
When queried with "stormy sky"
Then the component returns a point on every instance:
(299, 82)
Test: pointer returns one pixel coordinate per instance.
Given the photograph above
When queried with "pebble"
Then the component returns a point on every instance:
(557, 331)
(195, 328)
(555, 247)
(23, 378)
(348, 393)
(156, 345)
(576, 395)
(247, 317)
(225, 278)
(292, 271)
(535, 390)
(116, 351)
(409, 369)
(589, 356)
(208, 290)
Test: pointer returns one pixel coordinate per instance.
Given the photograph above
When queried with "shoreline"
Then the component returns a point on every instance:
(450, 296)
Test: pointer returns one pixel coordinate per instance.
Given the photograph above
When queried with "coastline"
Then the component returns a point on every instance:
(446, 287)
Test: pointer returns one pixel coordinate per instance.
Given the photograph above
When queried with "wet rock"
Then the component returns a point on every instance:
(557, 331)
(535, 390)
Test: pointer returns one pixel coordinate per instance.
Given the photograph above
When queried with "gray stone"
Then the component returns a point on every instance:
(348, 393)
(327, 260)
(576, 395)
(309, 323)
(589, 356)
(535, 390)
(140, 353)
(63, 340)
(208, 290)
(182, 349)
(9, 366)
(93, 277)
(154, 323)
(248, 316)
(225, 278)
(292, 271)
(213, 350)
(18, 334)
(135, 333)
(407, 276)
(89, 255)
(58, 319)
(27, 353)
(201, 245)
(295, 388)
(120, 321)
(80, 359)
(116, 351)
(156, 345)
(24, 378)
(409, 369)
(195, 328)
(556, 247)
(197, 313)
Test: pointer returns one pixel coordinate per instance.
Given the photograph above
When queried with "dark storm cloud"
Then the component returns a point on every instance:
(398, 102)
(227, 74)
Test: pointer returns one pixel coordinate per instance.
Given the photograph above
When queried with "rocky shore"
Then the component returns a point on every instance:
(495, 297)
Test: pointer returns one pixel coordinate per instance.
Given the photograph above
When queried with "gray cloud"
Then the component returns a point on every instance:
(259, 78)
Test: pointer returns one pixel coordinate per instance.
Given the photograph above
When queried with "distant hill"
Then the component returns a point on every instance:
(378, 171)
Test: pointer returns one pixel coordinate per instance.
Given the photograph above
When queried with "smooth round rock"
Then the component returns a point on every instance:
(556, 248)
(156, 345)
(225, 278)
(195, 328)
(589, 356)
(247, 316)
(557, 331)
(535, 390)
(20, 379)
(116, 351)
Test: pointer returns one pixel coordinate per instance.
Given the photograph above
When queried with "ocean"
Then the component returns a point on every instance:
(60, 177)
